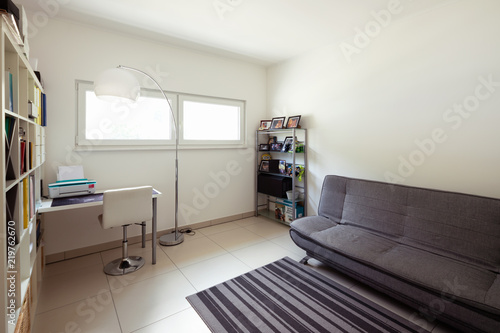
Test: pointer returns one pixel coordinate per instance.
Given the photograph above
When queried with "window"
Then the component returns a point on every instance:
(211, 121)
(204, 121)
(146, 122)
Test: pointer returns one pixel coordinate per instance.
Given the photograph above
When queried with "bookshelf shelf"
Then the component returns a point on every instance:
(21, 253)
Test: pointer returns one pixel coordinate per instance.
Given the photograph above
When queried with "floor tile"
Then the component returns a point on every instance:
(66, 288)
(163, 265)
(236, 239)
(151, 300)
(186, 321)
(72, 264)
(94, 314)
(193, 251)
(268, 228)
(248, 221)
(218, 228)
(262, 254)
(213, 271)
(287, 243)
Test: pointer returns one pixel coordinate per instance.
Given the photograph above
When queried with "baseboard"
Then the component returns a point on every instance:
(55, 257)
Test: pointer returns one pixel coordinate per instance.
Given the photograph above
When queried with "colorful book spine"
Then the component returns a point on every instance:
(25, 203)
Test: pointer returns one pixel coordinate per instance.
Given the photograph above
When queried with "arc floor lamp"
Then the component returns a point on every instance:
(118, 84)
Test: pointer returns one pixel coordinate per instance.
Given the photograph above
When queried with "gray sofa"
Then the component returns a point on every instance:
(437, 251)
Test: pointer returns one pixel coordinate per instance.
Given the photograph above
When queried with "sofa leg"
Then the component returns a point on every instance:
(305, 260)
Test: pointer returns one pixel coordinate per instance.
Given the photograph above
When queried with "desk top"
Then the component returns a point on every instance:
(81, 201)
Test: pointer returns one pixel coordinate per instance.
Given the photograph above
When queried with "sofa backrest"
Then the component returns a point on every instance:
(460, 226)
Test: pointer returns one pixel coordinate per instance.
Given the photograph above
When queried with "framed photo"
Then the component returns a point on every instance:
(278, 123)
(287, 144)
(293, 122)
(276, 146)
(282, 167)
(264, 147)
(272, 139)
(264, 166)
(265, 125)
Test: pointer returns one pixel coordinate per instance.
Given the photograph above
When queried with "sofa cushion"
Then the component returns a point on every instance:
(451, 278)
(310, 225)
(460, 226)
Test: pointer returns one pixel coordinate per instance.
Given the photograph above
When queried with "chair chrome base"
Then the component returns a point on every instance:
(170, 239)
(124, 266)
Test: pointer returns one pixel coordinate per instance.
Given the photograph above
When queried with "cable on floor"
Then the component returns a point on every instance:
(188, 231)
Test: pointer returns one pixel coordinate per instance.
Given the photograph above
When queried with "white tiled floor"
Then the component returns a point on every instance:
(77, 296)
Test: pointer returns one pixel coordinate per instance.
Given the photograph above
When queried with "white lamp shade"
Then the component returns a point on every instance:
(117, 84)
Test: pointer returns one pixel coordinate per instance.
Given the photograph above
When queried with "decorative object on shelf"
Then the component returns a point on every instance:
(287, 144)
(264, 166)
(293, 122)
(266, 157)
(299, 147)
(263, 147)
(278, 146)
(272, 139)
(299, 172)
(265, 125)
(282, 167)
(278, 122)
(117, 83)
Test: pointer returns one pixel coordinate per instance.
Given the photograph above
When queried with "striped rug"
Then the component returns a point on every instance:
(285, 296)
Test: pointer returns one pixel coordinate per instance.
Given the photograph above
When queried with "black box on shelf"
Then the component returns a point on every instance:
(273, 185)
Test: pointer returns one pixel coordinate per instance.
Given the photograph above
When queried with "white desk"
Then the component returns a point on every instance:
(82, 202)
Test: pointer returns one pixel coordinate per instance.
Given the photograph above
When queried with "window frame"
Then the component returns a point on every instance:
(175, 98)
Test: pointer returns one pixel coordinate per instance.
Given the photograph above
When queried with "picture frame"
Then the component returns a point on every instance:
(278, 122)
(265, 125)
(277, 146)
(264, 166)
(264, 147)
(287, 144)
(282, 167)
(272, 139)
(293, 122)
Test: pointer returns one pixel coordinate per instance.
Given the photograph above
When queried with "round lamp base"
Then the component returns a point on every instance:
(170, 240)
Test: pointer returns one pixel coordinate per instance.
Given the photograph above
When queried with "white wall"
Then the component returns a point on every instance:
(68, 52)
(385, 114)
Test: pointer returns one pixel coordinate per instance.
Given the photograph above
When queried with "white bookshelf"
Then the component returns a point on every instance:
(23, 154)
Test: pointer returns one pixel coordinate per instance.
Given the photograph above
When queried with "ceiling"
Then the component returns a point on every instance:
(263, 31)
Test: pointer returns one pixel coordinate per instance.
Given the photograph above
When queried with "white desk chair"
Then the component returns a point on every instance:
(123, 207)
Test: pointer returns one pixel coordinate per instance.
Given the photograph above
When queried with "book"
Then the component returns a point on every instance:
(25, 203)
(30, 156)
(44, 110)
(23, 156)
(32, 196)
(9, 129)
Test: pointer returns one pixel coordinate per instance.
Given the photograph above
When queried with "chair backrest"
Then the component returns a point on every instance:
(127, 206)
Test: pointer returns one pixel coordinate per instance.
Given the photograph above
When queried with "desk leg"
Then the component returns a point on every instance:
(153, 240)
